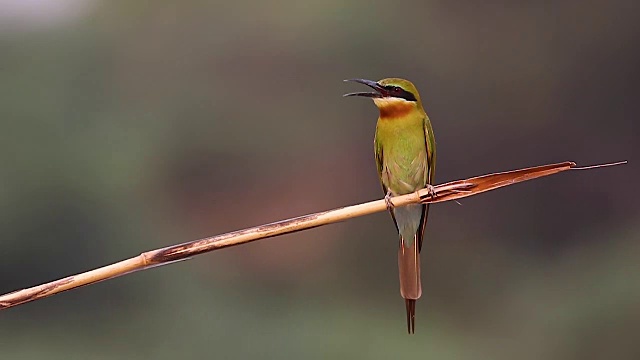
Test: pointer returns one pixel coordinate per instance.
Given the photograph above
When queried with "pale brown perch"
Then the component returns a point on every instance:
(445, 192)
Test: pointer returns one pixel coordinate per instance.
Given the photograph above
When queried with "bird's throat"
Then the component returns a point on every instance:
(394, 108)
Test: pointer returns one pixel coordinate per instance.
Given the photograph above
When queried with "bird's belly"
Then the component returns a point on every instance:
(404, 175)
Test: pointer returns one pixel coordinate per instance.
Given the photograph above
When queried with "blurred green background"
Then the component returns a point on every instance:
(131, 125)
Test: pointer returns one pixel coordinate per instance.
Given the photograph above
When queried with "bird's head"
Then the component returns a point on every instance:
(392, 95)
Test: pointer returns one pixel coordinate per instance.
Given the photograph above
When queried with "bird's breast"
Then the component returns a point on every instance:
(402, 143)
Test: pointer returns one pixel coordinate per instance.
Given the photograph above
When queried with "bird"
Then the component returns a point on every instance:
(405, 155)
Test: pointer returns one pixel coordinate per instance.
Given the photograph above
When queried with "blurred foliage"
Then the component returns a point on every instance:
(127, 126)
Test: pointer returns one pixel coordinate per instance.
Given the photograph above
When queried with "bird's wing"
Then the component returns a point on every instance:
(430, 144)
(380, 167)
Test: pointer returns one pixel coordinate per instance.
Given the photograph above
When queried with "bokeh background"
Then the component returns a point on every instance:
(127, 126)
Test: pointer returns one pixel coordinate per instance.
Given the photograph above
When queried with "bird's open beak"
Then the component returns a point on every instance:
(380, 91)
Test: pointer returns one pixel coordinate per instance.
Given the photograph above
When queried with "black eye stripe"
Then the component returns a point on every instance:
(397, 91)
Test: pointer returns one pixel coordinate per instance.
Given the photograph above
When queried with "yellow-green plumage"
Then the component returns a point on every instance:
(405, 152)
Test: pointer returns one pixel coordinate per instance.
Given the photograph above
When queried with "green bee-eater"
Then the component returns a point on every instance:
(405, 151)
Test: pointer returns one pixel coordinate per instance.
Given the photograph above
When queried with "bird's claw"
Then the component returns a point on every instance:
(388, 202)
(431, 190)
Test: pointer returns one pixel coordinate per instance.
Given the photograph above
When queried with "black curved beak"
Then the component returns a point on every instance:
(380, 91)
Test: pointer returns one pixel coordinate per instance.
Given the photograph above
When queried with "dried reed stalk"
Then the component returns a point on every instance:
(444, 192)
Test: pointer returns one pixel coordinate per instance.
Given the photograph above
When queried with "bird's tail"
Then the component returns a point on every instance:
(410, 287)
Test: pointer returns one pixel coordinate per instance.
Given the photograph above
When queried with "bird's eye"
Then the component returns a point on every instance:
(397, 89)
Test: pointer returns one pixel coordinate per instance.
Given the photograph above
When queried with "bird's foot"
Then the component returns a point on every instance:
(388, 202)
(431, 190)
